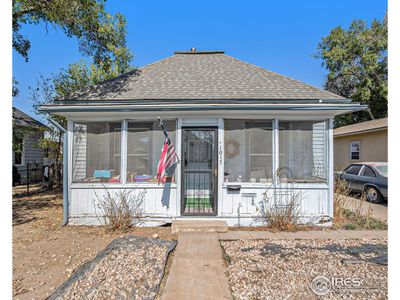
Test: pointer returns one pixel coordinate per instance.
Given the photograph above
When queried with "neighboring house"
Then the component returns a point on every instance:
(361, 142)
(27, 133)
(235, 127)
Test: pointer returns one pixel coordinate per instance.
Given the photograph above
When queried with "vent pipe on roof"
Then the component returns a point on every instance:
(193, 49)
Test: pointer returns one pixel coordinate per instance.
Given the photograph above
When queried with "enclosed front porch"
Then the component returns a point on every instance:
(228, 164)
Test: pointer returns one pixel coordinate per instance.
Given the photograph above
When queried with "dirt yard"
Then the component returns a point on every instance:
(46, 253)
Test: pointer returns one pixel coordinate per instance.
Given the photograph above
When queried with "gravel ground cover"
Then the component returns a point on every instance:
(129, 268)
(45, 254)
(286, 269)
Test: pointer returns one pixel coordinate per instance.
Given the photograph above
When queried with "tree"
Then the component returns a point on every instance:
(357, 63)
(87, 20)
(113, 61)
(100, 35)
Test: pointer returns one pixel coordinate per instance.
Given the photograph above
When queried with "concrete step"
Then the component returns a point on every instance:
(198, 226)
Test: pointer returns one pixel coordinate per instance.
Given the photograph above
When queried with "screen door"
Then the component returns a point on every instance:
(199, 170)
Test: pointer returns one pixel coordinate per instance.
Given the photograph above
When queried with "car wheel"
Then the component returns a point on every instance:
(373, 195)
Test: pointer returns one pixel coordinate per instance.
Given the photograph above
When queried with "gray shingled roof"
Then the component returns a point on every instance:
(202, 75)
(22, 119)
(362, 127)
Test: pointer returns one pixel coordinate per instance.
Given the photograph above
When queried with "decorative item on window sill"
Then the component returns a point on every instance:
(232, 148)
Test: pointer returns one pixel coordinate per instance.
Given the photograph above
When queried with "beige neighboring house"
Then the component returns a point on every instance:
(366, 141)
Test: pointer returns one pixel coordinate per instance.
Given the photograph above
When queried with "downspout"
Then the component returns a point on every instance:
(65, 168)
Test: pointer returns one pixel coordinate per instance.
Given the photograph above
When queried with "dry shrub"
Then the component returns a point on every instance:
(351, 214)
(340, 199)
(281, 211)
(122, 210)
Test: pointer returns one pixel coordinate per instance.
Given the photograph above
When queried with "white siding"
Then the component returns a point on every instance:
(319, 149)
(79, 146)
(159, 202)
(33, 153)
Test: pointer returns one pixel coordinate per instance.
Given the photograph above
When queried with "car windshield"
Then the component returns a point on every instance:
(383, 170)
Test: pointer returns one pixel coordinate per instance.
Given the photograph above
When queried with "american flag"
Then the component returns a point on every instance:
(167, 159)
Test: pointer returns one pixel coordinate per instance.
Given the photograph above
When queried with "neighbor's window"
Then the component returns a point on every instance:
(96, 152)
(145, 141)
(18, 151)
(248, 151)
(303, 151)
(355, 150)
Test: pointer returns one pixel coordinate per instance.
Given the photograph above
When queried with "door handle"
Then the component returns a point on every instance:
(215, 172)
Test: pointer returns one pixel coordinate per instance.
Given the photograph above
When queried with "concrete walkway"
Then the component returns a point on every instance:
(378, 211)
(197, 271)
(301, 235)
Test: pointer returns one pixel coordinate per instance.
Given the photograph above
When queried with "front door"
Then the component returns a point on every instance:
(199, 170)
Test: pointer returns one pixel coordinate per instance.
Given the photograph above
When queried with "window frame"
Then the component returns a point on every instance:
(247, 162)
(353, 165)
(359, 150)
(123, 153)
(282, 132)
(22, 155)
(252, 155)
(149, 146)
(112, 144)
(149, 153)
(367, 167)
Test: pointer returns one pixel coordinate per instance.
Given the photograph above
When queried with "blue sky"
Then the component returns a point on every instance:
(280, 36)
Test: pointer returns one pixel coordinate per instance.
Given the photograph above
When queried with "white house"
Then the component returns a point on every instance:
(27, 152)
(236, 128)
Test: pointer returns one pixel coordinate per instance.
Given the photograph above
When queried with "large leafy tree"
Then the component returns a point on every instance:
(356, 60)
(87, 20)
(101, 36)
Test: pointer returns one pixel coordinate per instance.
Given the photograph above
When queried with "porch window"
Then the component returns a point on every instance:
(144, 144)
(96, 152)
(248, 151)
(303, 149)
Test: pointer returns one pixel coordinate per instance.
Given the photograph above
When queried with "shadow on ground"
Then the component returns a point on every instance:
(25, 208)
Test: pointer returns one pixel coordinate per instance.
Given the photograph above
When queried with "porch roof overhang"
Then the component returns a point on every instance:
(333, 107)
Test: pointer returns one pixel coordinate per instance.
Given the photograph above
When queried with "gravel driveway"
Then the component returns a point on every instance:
(285, 269)
(128, 268)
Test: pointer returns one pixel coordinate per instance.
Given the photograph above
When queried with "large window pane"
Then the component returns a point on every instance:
(303, 150)
(96, 152)
(145, 141)
(248, 151)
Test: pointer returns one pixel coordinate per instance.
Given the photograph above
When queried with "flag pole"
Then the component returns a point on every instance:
(164, 130)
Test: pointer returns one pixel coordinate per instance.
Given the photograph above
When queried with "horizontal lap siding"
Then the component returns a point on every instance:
(33, 153)
(319, 149)
(158, 201)
(312, 201)
(79, 158)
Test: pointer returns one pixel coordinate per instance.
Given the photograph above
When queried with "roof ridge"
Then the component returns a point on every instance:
(280, 75)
